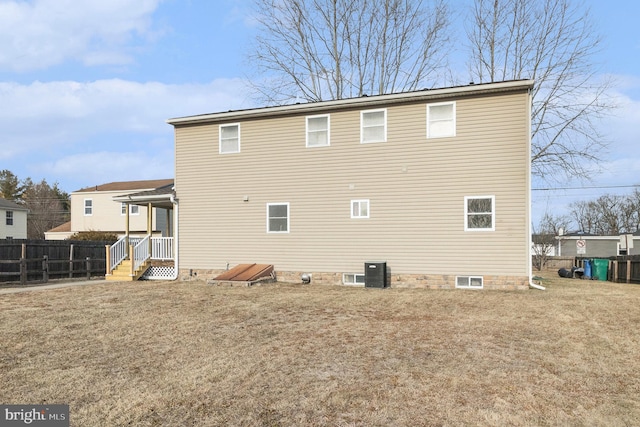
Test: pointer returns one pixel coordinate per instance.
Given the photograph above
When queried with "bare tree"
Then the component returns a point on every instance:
(608, 214)
(48, 207)
(544, 238)
(553, 42)
(332, 49)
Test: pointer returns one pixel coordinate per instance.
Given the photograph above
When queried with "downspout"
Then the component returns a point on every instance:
(176, 264)
(529, 240)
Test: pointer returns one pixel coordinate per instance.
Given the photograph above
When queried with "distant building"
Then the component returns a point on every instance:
(13, 220)
(592, 246)
(94, 209)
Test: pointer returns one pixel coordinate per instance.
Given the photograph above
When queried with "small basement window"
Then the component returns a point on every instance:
(469, 282)
(353, 279)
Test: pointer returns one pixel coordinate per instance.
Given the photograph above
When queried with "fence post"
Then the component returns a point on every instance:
(45, 268)
(23, 265)
(628, 271)
(71, 261)
(88, 266)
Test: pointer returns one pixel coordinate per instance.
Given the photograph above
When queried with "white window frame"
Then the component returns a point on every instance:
(89, 207)
(228, 125)
(269, 231)
(430, 121)
(327, 130)
(466, 213)
(362, 127)
(359, 210)
(469, 280)
(123, 209)
(351, 279)
(9, 218)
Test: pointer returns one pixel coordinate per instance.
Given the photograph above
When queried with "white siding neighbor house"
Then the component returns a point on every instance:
(13, 220)
(434, 183)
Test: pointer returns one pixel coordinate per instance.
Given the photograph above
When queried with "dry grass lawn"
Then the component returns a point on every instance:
(191, 354)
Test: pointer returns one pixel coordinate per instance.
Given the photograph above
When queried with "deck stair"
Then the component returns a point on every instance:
(246, 274)
(122, 273)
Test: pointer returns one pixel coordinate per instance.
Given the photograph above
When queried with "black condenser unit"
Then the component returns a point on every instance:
(375, 274)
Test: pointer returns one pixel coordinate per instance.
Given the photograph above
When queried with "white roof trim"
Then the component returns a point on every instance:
(364, 101)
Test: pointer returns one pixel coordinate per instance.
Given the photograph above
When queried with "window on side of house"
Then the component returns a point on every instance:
(353, 279)
(230, 138)
(441, 120)
(479, 213)
(318, 131)
(373, 126)
(133, 209)
(469, 282)
(88, 207)
(277, 217)
(9, 218)
(360, 208)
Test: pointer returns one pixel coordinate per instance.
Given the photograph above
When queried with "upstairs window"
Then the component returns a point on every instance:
(277, 217)
(360, 209)
(9, 217)
(230, 138)
(373, 126)
(88, 207)
(441, 120)
(479, 212)
(318, 131)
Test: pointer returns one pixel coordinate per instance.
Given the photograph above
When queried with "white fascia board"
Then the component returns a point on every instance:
(362, 102)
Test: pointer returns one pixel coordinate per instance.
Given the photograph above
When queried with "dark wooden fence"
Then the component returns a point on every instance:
(621, 269)
(40, 260)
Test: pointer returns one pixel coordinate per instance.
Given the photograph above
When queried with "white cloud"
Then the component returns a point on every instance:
(41, 33)
(74, 132)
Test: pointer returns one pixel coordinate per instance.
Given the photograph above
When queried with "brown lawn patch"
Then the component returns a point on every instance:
(151, 353)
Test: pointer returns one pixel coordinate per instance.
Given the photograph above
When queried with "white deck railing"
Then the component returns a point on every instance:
(144, 248)
(117, 252)
(162, 248)
(141, 253)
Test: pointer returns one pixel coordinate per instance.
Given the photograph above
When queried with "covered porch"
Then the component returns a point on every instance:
(153, 256)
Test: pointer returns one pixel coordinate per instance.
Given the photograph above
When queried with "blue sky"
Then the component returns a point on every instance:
(86, 87)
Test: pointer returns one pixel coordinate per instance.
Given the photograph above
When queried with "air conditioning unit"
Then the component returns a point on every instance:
(375, 274)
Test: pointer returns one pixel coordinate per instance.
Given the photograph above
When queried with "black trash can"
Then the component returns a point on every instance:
(375, 274)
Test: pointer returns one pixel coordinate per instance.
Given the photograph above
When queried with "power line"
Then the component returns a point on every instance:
(595, 187)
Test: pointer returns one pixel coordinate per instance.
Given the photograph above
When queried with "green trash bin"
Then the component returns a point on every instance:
(600, 268)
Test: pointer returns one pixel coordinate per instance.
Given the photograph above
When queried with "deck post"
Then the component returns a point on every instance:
(108, 259)
(132, 259)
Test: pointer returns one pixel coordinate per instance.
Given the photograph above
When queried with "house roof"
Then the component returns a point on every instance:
(128, 185)
(9, 205)
(363, 102)
(159, 197)
(62, 228)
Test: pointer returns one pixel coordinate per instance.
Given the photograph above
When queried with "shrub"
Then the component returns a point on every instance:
(93, 235)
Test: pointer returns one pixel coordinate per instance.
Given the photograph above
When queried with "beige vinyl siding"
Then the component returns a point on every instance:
(416, 188)
(107, 213)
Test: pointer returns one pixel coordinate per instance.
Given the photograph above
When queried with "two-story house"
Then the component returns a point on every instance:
(13, 220)
(94, 209)
(435, 183)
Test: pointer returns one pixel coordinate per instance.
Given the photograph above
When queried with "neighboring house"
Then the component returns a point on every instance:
(436, 183)
(13, 220)
(592, 246)
(94, 209)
